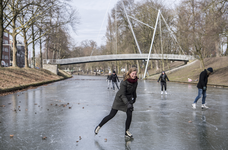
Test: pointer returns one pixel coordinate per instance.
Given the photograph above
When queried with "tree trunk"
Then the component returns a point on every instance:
(137, 62)
(118, 67)
(163, 63)
(33, 48)
(1, 29)
(41, 59)
(156, 61)
(167, 61)
(126, 69)
(53, 54)
(14, 44)
(151, 64)
(138, 66)
(217, 48)
(226, 52)
(26, 48)
(201, 61)
(47, 47)
(59, 55)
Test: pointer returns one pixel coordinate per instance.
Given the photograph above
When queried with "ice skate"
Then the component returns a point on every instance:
(166, 92)
(204, 106)
(128, 134)
(194, 105)
(97, 130)
(161, 92)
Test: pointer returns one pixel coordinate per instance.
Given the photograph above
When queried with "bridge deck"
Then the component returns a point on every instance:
(118, 57)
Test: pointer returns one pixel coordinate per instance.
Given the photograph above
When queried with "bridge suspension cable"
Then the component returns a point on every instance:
(172, 33)
(101, 25)
(151, 45)
(154, 28)
(131, 28)
(141, 22)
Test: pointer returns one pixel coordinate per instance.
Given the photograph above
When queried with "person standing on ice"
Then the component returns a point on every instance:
(202, 87)
(109, 79)
(114, 80)
(124, 100)
(163, 78)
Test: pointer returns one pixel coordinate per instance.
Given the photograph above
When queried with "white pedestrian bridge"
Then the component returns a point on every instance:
(117, 57)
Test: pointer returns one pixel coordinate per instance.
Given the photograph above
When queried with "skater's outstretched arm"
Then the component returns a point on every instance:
(159, 78)
(167, 77)
(117, 78)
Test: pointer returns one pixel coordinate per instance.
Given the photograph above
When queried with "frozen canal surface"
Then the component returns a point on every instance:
(160, 122)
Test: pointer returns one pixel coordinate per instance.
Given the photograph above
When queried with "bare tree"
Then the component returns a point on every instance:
(29, 16)
(14, 9)
(62, 17)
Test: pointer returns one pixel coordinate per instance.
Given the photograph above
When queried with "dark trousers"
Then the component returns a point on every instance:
(113, 86)
(163, 84)
(113, 113)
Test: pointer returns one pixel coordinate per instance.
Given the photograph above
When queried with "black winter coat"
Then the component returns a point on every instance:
(163, 79)
(115, 78)
(125, 94)
(203, 78)
(109, 77)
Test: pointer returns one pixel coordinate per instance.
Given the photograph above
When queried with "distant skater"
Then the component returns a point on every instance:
(163, 78)
(124, 100)
(109, 79)
(114, 80)
(202, 87)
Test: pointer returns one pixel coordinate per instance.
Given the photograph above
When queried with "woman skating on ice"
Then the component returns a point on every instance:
(124, 100)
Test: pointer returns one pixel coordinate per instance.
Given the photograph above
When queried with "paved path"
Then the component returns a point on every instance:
(156, 76)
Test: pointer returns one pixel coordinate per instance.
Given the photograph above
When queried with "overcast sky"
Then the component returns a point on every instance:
(93, 19)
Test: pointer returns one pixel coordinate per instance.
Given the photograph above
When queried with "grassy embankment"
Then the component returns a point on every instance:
(12, 79)
(218, 78)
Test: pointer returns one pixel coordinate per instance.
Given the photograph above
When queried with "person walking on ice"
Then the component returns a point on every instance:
(202, 87)
(163, 78)
(114, 80)
(109, 79)
(124, 100)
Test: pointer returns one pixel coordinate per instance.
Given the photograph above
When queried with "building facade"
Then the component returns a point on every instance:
(20, 54)
(6, 50)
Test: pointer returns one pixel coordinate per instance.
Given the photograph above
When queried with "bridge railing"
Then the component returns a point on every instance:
(49, 61)
(118, 57)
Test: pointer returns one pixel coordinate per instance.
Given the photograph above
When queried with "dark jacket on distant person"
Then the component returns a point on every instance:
(126, 93)
(114, 78)
(109, 77)
(163, 78)
(203, 78)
